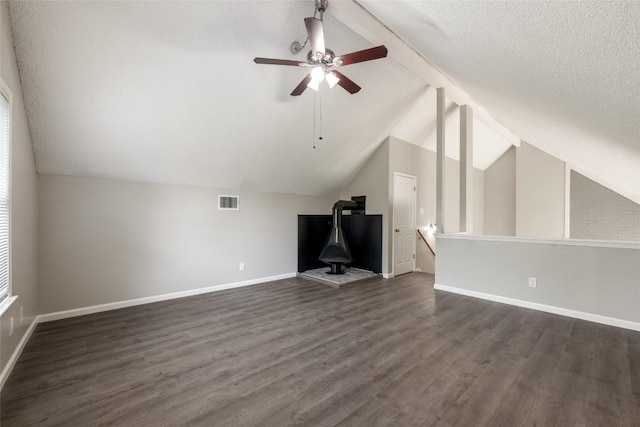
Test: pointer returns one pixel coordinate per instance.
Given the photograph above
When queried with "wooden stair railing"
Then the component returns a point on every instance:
(425, 241)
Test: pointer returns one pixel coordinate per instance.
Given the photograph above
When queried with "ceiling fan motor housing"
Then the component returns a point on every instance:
(318, 58)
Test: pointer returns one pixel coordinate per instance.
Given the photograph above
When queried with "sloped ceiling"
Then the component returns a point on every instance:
(167, 91)
(562, 76)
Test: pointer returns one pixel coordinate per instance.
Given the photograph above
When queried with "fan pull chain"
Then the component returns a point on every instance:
(320, 113)
(317, 117)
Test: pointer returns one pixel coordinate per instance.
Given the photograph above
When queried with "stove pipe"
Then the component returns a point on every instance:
(336, 251)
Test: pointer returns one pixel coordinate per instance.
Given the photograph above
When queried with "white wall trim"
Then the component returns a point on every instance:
(387, 275)
(622, 244)
(611, 321)
(156, 298)
(4, 305)
(17, 352)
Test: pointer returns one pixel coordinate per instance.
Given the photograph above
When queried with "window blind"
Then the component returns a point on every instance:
(5, 141)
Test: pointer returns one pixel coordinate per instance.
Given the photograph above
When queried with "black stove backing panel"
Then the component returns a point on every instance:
(363, 234)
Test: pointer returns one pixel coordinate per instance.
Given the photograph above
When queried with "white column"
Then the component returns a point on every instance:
(440, 160)
(466, 169)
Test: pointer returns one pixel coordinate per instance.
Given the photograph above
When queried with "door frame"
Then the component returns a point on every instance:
(393, 218)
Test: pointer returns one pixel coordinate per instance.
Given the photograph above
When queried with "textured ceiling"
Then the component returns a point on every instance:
(168, 92)
(563, 76)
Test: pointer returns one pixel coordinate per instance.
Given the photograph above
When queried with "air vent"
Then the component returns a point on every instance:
(228, 203)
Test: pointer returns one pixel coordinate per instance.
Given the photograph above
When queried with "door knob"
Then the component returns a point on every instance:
(397, 230)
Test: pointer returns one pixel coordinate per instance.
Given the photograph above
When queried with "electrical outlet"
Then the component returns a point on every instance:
(532, 282)
(21, 314)
(242, 266)
(11, 326)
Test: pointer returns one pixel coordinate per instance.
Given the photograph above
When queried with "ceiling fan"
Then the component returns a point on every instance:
(323, 60)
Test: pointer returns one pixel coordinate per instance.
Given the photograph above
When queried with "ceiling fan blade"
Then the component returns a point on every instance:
(279, 62)
(302, 86)
(316, 35)
(347, 83)
(361, 56)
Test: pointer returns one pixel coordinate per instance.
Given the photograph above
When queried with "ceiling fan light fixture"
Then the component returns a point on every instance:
(332, 79)
(317, 75)
(314, 84)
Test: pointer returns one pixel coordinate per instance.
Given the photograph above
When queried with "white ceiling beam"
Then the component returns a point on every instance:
(356, 17)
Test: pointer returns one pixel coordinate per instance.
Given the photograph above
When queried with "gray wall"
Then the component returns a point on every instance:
(600, 280)
(540, 188)
(599, 213)
(500, 196)
(104, 241)
(24, 200)
(372, 181)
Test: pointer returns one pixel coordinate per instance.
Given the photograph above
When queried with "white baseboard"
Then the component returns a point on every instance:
(611, 321)
(387, 275)
(16, 353)
(156, 298)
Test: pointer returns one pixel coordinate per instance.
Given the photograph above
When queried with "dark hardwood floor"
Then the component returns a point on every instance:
(382, 352)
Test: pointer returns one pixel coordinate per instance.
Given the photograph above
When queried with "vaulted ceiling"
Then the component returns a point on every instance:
(167, 91)
(562, 76)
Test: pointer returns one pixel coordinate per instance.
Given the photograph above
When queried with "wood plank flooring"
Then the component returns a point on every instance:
(293, 352)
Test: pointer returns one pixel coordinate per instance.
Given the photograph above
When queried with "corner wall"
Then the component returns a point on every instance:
(413, 160)
(540, 194)
(500, 196)
(24, 202)
(372, 181)
(104, 241)
(375, 180)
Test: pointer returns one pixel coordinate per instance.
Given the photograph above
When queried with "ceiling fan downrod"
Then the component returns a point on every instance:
(321, 5)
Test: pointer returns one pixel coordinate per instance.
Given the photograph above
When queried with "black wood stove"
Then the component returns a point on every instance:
(336, 251)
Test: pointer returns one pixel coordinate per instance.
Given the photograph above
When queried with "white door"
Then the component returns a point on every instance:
(404, 223)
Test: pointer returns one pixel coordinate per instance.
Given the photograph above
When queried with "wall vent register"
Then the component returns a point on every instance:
(228, 203)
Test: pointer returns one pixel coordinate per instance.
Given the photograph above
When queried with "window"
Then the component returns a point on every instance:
(5, 188)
